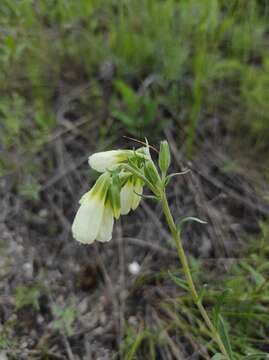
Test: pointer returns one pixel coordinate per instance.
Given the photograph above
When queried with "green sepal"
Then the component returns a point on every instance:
(114, 196)
(151, 173)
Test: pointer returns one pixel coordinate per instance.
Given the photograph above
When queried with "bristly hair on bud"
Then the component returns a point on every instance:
(151, 173)
(164, 157)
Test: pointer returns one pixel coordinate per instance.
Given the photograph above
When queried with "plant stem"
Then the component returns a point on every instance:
(187, 273)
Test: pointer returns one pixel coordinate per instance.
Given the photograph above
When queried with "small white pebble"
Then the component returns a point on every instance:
(132, 320)
(40, 320)
(43, 213)
(134, 268)
(3, 355)
(28, 270)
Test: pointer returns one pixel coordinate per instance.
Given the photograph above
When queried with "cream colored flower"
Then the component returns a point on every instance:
(110, 197)
(129, 195)
(107, 160)
(93, 221)
(126, 197)
(106, 228)
(138, 191)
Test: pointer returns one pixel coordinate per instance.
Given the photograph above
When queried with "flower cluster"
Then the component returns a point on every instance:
(115, 193)
(118, 190)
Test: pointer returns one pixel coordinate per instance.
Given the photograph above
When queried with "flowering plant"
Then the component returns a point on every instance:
(119, 190)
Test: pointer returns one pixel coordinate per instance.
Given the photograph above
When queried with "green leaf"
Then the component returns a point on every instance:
(140, 336)
(220, 300)
(150, 197)
(180, 282)
(150, 112)
(202, 292)
(223, 331)
(127, 94)
(169, 177)
(124, 118)
(258, 278)
(257, 356)
(188, 219)
(218, 356)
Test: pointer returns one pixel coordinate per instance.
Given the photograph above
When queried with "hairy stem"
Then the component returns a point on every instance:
(187, 273)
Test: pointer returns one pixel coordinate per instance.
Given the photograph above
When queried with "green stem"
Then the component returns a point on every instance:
(187, 273)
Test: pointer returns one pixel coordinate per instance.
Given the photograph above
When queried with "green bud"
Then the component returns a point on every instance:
(151, 173)
(164, 157)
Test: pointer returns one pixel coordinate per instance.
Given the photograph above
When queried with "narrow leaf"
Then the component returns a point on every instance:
(180, 282)
(150, 197)
(170, 176)
(224, 336)
(218, 356)
(258, 278)
(202, 292)
(188, 219)
(124, 118)
(257, 356)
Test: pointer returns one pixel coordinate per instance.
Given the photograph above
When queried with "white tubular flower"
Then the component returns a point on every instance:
(105, 231)
(107, 160)
(129, 195)
(138, 191)
(90, 216)
(126, 197)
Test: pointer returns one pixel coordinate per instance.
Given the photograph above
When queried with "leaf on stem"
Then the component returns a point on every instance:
(188, 219)
(150, 197)
(169, 177)
(202, 292)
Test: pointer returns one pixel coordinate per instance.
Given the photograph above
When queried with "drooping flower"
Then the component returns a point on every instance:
(93, 219)
(130, 195)
(138, 191)
(115, 193)
(107, 160)
(106, 228)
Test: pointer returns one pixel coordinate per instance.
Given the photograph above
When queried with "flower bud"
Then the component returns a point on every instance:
(164, 157)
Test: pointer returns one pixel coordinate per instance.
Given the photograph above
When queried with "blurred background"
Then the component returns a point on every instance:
(76, 77)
